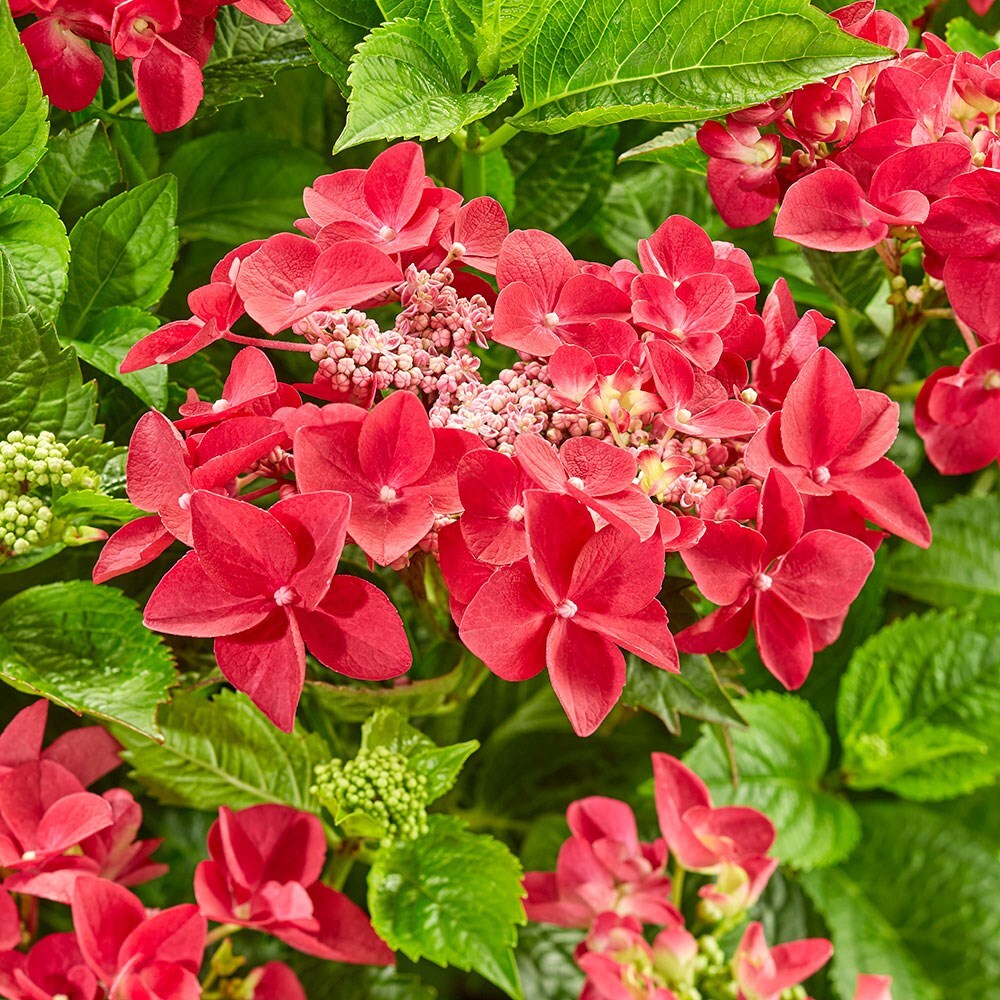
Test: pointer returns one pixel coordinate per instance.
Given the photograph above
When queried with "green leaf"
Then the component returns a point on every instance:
(850, 279)
(42, 386)
(77, 172)
(546, 963)
(239, 186)
(963, 36)
(919, 708)
(780, 761)
(406, 81)
(247, 55)
(453, 897)
(561, 181)
(334, 28)
(599, 61)
(917, 901)
(225, 751)
(85, 648)
(339, 981)
(696, 692)
(82, 506)
(677, 147)
(33, 236)
(122, 253)
(24, 125)
(106, 340)
(962, 566)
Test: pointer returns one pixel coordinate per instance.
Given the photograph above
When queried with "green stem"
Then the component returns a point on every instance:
(677, 894)
(896, 351)
(497, 138)
(221, 932)
(985, 481)
(845, 324)
(120, 106)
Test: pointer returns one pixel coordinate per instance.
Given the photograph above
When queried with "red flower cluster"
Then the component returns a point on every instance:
(168, 42)
(611, 885)
(900, 150)
(653, 410)
(62, 843)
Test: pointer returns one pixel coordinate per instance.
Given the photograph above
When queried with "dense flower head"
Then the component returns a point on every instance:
(648, 407)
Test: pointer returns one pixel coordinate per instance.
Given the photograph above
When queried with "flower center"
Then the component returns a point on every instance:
(301, 297)
(576, 482)
(762, 582)
(821, 475)
(566, 608)
(184, 501)
(516, 513)
(387, 494)
(284, 596)
(387, 233)
(220, 404)
(29, 855)
(684, 416)
(457, 250)
(140, 25)
(551, 320)
(991, 381)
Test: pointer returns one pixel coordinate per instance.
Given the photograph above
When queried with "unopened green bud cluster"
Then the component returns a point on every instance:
(30, 462)
(379, 784)
(713, 974)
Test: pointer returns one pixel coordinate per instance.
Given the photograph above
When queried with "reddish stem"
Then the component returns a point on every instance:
(280, 345)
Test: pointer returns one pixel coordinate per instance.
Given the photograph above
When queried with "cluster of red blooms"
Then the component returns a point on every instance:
(762, 477)
(61, 843)
(168, 41)
(610, 884)
(883, 156)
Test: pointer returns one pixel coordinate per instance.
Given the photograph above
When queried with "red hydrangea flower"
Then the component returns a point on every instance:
(264, 872)
(262, 584)
(873, 988)
(10, 922)
(581, 594)
(741, 170)
(703, 837)
(602, 867)
(275, 981)
(53, 968)
(132, 953)
(399, 471)
(830, 438)
(790, 585)
(764, 973)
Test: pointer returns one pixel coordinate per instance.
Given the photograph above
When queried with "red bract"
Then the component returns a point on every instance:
(264, 873)
(702, 837)
(491, 488)
(275, 981)
(741, 171)
(581, 594)
(873, 988)
(602, 868)
(544, 298)
(262, 584)
(597, 474)
(830, 438)
(399, 472)
(793, 587)
(764, 973)
(54, 968)
(10, 922)
(137, 956)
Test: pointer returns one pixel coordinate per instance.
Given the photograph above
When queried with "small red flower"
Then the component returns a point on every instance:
(764, 973)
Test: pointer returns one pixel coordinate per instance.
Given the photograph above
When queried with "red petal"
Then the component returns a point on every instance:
(157, 468)
(326, 458)
(519, 321)
(537, 259)
(394, 184)
(823, 573)
(169, 84)
(540, 460)
(557, 527)
(725, 560)
(644, 633)
(783, 640)
(21, 739)
(603, 468)
(396, 443)
(884, 495)
(69, 70)
(614, 574)
(132, 546)
(780, 515)
(104, 914)
(388, 529)
(72, 819)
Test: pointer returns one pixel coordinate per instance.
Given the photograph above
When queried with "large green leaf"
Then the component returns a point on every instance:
(224, 751)
(24, 124)
(545, 960)
(406, 80)
(599, 61)
(453, 897)
(78, 171)
(122, 253)
(247, 55)
(962, 567)
(42, 386)
(33, 236)
(963, 36)
(917, 901)
(239, 186)
(85, 647)
(919, 708)
(334, 28)
(677, 147)
(781, 758)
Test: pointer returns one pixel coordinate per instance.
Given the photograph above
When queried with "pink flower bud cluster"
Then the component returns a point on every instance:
(896, 154)
(168, 41)
(614, 887)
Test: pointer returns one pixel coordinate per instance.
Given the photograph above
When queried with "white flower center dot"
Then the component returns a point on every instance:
(387, 494)
(566, 608)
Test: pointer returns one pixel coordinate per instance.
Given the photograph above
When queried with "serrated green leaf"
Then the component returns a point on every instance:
(677, 147)
(82, 506)
(594, 62)
(239, 186)
(963, 36)
(406, 81)
(917, 901)
(85, 647)
(561, 181)
(546, 963)
(334, 28)
(78, 171)
(427, 899)
(247, 55)
(695, 693)
(339, 981)
(122, 253)
(850, 279)
(107, 338)
(223, 750)
(962, 567)
(42, 386)
(919, 708)
(24, 125)
(105, 458)
(781, 758)
(35, 240)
